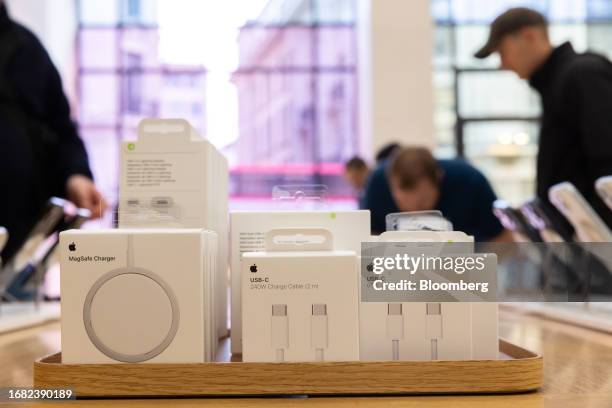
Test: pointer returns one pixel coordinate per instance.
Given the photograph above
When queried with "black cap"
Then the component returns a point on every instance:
(509, 22)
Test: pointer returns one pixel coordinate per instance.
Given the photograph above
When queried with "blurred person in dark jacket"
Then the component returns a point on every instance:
(356, 173)
(414, 180)
(41, 154)
(385, 152)
(575, 141)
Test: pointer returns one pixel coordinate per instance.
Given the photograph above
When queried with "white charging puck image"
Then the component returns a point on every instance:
(117, 322)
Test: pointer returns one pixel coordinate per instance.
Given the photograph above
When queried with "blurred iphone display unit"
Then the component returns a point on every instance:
(428, 330)
(3, 239)
(248, 230)
(588, 225)
(49, 219)
(172, 178)
(604, 189)
(300, 299)
(541, 217)
(418, 221)
(514, 221)
(137, 296)
(26, 284)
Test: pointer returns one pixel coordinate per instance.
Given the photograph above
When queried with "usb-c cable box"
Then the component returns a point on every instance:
(300, 302)
(137, 296)
(247, 234)
(172, 178)
(428, 331)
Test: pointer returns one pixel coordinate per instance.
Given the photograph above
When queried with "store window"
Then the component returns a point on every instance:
(281, 113)
(122, 79)
(489, 116)
(297, 112)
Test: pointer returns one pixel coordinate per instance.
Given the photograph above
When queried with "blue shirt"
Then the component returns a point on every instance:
(466, 199)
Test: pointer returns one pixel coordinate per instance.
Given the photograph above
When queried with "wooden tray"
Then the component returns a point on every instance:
(518, 370)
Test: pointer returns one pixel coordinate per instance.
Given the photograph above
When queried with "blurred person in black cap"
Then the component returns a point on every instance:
(41, 154)
(575, 142)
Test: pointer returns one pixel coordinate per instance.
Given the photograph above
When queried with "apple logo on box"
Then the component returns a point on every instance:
(253, 268)
(72, 247)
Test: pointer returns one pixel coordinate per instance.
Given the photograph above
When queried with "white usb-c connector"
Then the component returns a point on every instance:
(434, 326)
(395, 327)
(318, 330)
(279, 331)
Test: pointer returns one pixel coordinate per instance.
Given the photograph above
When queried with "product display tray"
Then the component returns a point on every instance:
(517, 370)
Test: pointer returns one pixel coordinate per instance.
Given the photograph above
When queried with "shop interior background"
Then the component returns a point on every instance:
(287, 114)
(284, 114)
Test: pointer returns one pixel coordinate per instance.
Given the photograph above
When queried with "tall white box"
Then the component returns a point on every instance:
(137, 296)
(300, 300)
(172, 178)
(247, 234)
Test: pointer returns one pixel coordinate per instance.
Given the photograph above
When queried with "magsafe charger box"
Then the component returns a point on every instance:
(248, 231)
(138, 296)
(172, 178)
(300, 299)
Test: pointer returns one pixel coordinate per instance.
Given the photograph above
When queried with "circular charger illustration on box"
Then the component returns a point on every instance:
(131, 314)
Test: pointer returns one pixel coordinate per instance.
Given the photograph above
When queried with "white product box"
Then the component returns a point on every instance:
(137, 296)
(247, 234)
(300, 299)
(172, 178)
(409, 330)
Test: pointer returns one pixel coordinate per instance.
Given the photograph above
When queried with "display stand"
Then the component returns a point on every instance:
(517, 370)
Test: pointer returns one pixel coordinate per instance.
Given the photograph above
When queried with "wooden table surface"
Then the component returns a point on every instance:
(577, 372)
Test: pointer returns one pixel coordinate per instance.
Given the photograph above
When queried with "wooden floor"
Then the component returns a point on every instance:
(577, 372)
